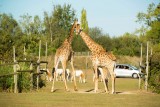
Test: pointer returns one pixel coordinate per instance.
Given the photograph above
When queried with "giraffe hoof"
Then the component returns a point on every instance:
(113, 92)
(76, 89)
(95, 91)
(107, 92)
(52, 91)
(67, 90)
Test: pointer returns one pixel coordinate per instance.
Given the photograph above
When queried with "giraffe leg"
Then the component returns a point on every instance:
(74, 76)
(54, 73)
(96, 79)
(105, 80)
(64, 73)
(113, 77)
(53, 81)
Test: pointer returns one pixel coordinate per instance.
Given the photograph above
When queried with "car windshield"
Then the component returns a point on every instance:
(133, 67)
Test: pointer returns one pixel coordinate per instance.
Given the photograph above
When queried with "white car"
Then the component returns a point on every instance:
(126, 70)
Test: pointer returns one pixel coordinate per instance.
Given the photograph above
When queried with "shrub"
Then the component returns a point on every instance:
(6, 82)
(154, 74)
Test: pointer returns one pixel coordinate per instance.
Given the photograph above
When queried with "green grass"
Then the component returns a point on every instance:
(127, 95)
(68, 99)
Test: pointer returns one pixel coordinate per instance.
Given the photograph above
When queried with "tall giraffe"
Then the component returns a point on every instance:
(64, 54)
(100, 58)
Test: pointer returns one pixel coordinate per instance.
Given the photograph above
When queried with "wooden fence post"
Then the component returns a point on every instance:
(46, 51)
(146, 76)
(140, 68)
(46, 56)
(24, 53)
(38, 66)
(31, 75)
(15, 71)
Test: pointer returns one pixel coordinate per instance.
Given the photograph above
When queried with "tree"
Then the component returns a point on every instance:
(84, 22)
(103, 39)
(58, 24)
(48, 23)
(147, 18)
(37, 26)
(128, 44)
(25, 23)
(152, 20)
(95, 32)
(63, 16)
(33, 29)
(9, 33)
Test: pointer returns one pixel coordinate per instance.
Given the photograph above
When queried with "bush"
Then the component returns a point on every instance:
(154, 74)
(24, 79)
(6, 82)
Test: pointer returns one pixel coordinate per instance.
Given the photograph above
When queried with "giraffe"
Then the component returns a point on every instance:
(100, 59)
(64, 54)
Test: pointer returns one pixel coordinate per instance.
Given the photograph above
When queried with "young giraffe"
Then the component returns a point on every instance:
(100, 58)
(64, 54)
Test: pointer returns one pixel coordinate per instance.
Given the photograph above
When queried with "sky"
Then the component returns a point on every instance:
(114, 17)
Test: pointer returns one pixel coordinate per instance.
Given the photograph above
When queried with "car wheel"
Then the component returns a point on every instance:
(135, 75)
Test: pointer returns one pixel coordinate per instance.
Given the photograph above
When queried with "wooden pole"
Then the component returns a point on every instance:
(50, 22)
(39, 50)
(146, 77)
(141, 56)
(140, 67)
(31, 76)
(46, 54)
(38, 66)
(151, 51)
(46, 51)
(15, 71)
(24, 53)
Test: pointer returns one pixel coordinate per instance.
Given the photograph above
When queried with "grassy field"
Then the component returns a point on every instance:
(127, 95)
(127, 92)
(78, 100)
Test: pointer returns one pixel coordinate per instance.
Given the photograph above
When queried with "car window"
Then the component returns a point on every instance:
(130, 68)
(126, 67)
(119, 67)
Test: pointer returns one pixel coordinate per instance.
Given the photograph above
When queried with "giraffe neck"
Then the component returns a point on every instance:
(93, 46)
(70, 37)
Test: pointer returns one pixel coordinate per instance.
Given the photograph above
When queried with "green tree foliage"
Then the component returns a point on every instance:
(9, 32)
(58, 24)
(147, 18)
(102, 39)
(128, 44)
(63, 16)
(6, 82)
(152, 21)
(154, 74)
(32, 31)
(95, 33)
(78, 44)
(84, 22)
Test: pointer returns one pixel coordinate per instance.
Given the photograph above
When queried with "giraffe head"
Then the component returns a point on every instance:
(77, 28)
